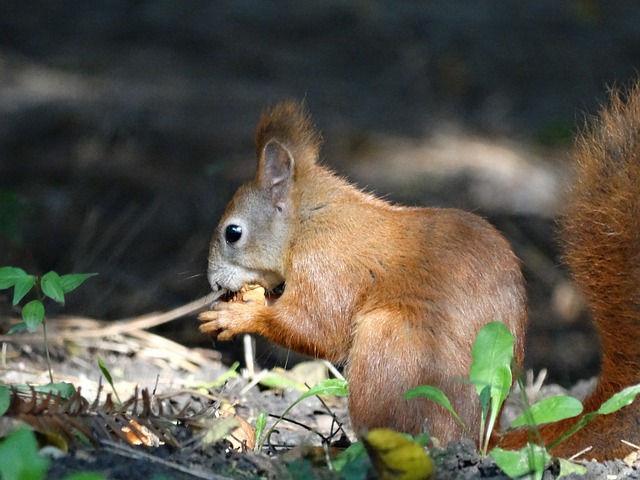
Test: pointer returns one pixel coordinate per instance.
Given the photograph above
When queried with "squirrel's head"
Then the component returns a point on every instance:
(249, 244)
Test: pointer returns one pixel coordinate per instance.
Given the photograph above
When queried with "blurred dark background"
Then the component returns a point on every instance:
(125, 127)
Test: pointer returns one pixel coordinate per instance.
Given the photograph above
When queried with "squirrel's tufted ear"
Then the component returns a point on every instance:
(290, 124)
(275, 172)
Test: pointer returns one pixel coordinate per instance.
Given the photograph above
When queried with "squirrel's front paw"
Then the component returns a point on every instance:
(226, 320)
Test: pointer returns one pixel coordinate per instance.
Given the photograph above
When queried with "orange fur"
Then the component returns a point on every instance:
(398, 294)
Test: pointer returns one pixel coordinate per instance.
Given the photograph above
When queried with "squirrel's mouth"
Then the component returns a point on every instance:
(243, 295)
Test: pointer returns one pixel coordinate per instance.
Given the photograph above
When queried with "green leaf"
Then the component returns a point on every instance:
(261, 423)
(105, 371)
(619, 400)
(107, 375)
(549, 410)
(52, 286)
(72, 281)
(352, 457)
(221, 380)
(33, 315)
(19, 457)
(491, 354)
(5, 399)
(491, 358)
(20, 327)
(567, 468)
(64, 389)
(435, 395)
(530, 460)
(277, 381)
(331, 386)
(22, 287)
(485, 400)
(10, 275)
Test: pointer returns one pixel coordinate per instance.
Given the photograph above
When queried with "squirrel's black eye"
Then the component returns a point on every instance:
(233, 233)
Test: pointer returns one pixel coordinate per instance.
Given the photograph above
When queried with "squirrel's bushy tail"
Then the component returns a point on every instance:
(600, 229)
(601, 232)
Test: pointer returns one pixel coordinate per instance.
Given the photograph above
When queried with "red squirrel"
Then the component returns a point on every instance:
(398, 294)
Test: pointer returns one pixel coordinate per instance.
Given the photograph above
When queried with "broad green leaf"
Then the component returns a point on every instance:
(5, 399)
(332, 386)
(72, 281)
(22, 287)
(502, 380)
(619, 400)
(64, 389)
(567, 468)
(52, 286)
(529, 460)
(19, 457)
(492, 352)
(354, 452)
(435, 395)
(20, 327)
(491, 358)
(33, 315)
(550, 410)
(10, 275)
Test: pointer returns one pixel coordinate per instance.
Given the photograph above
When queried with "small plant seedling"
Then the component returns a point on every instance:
(332, 386)
(551, 410)
(261, 423)
(613, 404)
(490, 373)
(107, 375)
(50, 285)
